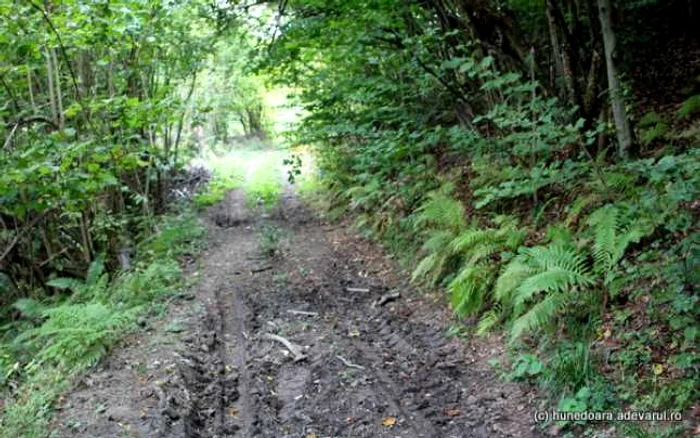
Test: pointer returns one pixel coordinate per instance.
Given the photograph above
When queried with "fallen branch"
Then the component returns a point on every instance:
(357, 289)
(302, 312)
(258, 270)
(349, 364)
(293, 348)
(390, 296)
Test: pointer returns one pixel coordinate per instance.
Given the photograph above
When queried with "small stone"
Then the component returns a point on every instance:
(118, 413)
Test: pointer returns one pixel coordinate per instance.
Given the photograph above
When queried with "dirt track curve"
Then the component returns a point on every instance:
(367, 365)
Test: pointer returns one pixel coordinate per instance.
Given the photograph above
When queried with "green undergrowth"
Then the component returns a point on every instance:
(263, 184)
(595, 292)
(228, 172)
(54, 339)
(587, 266)
(521, 207)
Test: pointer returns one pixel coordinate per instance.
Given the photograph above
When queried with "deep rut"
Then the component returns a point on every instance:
(369, 370)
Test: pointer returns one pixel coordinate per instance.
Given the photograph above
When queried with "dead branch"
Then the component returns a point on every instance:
(293, 348)
(349, 364)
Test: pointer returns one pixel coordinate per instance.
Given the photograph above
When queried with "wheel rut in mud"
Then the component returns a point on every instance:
(371, 357)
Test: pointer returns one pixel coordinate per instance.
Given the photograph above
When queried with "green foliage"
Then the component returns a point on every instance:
(553, 277)
(263, 184)
(55, 340)
(428, 131)
(270, 237)
(690, 107)
(480, 251)
(74, 336)
(216, 190)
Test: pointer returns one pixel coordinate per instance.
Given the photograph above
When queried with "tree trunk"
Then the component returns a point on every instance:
(50, 77)
(562, 51)
(59, 92)
(622, 126)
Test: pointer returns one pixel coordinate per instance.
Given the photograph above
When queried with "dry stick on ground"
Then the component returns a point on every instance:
(262, 269)
(293, 348)
(349, 364)
(302, 312)
(357, 289)
(386, 298)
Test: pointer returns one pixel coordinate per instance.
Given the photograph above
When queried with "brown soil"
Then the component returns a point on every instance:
(369, 369)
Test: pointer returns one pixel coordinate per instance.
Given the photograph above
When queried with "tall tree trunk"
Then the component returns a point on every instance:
(622, 125)
(52, 96)
(31, 90)
(563, 51)
(59, 92)
(181, 122)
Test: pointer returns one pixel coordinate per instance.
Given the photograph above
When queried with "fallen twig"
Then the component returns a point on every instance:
(350, 364)
(357, 289)
(302, 312)
(258, 270)
(293, 348)
(390, 296)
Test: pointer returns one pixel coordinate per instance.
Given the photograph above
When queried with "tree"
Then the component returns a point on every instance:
(622, 125)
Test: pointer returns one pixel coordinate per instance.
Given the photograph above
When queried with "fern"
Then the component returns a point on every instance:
(75, 335)
(443, 217)
(432, 265)
(476, 247)
(468, 288)
(542, 280)
(441, 211)
(489, 319)
(549, 274)
(540, 314)
(612, 237)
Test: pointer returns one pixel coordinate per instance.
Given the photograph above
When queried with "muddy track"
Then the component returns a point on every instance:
(372, 364)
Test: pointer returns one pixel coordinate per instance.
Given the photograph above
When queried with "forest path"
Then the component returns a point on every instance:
(368, 366)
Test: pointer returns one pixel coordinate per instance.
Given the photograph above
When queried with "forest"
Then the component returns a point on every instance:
(535, 162)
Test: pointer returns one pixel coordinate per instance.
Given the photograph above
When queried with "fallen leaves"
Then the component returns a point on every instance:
(389, 421)
(453, 412)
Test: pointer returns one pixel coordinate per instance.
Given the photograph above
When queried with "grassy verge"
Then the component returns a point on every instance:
(57, 339)
(228, 174)
(264, 182)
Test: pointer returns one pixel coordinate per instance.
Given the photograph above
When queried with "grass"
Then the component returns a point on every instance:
(264, 180)
(258, 172)
(269, 240)
(57, 340)
(228, 174)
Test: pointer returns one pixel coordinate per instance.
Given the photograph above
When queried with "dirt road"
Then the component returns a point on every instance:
(369, 356)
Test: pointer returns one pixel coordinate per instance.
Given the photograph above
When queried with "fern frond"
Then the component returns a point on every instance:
(95, 270)
(557, 256)
(488, 320)
(468, 288)
(605, 229)
(441, 211)
(77, 334)
(514, 273)
(468, 239)
(484, 251)
(539, 315)
(612, 236)
(30, 308)
(552, 280)
(438, 241)
(425, 267)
